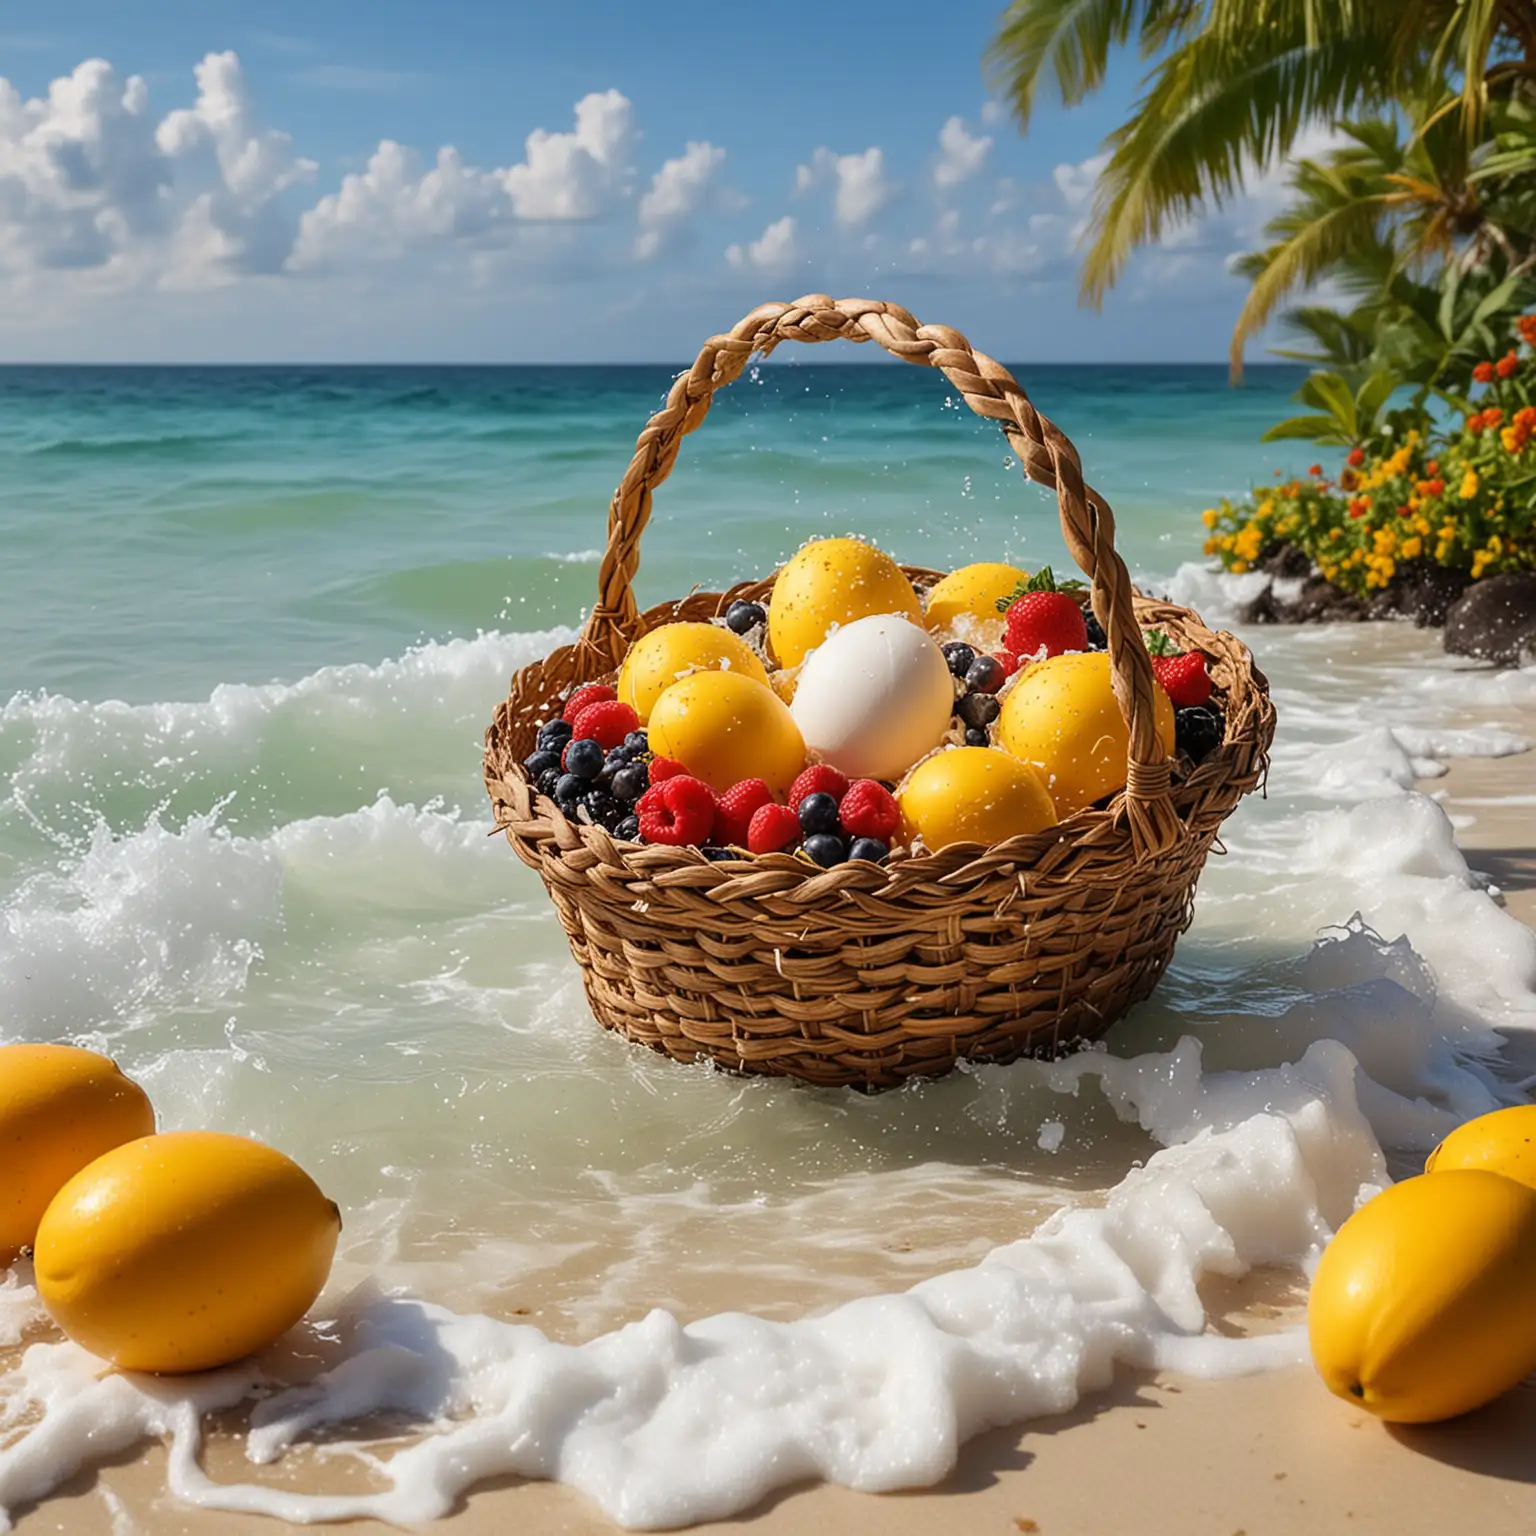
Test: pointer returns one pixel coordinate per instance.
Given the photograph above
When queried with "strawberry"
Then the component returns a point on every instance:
(607, 722)
(738, 805)
(773, 829)
(818, 779)
(678, 812)
(665, 768)
(1010, 661)
(592, 693)
(869, 810)
(1041, 617)
(1181, 673)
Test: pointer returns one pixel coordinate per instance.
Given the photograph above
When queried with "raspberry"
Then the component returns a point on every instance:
(773, 828)
(738, 805)
(818, 779)
(665, 768)
(678, 812)
(607, 722)
(1184, 678)
(1045, 620)
(592, 693)
(869, 810)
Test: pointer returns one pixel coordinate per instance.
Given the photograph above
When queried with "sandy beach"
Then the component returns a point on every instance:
(1157, 1454)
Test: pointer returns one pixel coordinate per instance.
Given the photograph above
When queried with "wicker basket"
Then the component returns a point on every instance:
(861, 974)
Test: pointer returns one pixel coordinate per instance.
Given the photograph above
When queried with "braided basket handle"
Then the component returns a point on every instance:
(1087, 524)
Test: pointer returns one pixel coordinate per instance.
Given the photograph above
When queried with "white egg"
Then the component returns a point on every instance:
(874, 696)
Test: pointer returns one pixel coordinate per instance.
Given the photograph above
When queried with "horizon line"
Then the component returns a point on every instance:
(798, 362)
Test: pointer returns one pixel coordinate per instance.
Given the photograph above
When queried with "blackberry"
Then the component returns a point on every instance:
(818, 814)
(960, 657)
(742, 618)
(628, 830)
(870, 848)
(547, 780)
(976, 736)
(985, 675)
(636, 743)
(978, 709)
(602, 808)
(1097, 639)
(1198, 731)
(824, 848)
(554, 734)
(720, 855)
(569, 789)
(539, 763)
(584, 758)
(630, 782)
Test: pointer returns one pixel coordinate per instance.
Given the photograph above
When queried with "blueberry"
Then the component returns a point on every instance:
(554, 734)
(540, 762)
(742, 618)
(959, 656)
(870, 848)
(823, 847)
(601, 807)
(569, 790)
(630, 782)
(547, 780)
(636, 743)
(584, 758)
(1097, 639)
(721, 855)
(818, 813)
(976, 736)
(978, 709)
(628, 830)
(985, 675)
(1198, 731)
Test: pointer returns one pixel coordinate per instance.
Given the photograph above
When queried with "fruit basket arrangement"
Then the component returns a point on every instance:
(857, 822)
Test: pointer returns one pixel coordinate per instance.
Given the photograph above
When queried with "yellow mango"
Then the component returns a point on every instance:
(1503, 1142)
(723, 727)
(671, 652)
(973, 590)
(185, 1251)
(60, 1108)
(832, 582)
(973, 795)
(1424, 1304)
(1061, 717)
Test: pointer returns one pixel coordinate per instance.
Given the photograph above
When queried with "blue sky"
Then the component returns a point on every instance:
(225, 181)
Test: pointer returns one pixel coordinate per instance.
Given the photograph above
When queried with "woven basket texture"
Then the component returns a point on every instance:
(862, 974)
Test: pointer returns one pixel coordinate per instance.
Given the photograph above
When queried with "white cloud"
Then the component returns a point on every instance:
(774, 253)
(861, 188)
(960, 155)
(1076, 182)
(677, 192)
(993, 112)
(572, 175)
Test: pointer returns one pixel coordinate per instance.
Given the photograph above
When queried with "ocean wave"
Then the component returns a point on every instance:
(175, 445)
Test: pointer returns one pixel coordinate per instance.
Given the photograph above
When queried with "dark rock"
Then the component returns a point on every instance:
(1494, 620)
(1433, 591)
(1386, 605)
(1315, 602)
(1266, 608)
(1285, 560)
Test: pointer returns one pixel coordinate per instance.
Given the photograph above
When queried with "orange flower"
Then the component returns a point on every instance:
(1356, 457)
(1317, 469)
(1525, 417)
(1435, 487)
(1360, 506)
(1433, 467)
(1507, 365)
(1483, 373)
(1492, 416)
(1405, 511)
(1526, 325)
(1475, 423)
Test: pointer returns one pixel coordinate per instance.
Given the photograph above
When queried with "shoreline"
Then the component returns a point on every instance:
(1267, 1455)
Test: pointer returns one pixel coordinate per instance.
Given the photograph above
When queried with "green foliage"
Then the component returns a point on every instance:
(1345, 416)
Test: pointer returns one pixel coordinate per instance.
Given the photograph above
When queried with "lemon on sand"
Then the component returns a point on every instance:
(1503, 1142)
(1061, 716)
(1421, 1305)
(60, 1108)
(185, 1251)
(671, 652)
(973, 795)
(723, 728)
(831, 582)
(973, 590)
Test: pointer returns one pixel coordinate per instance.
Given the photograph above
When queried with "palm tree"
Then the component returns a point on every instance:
(1236, 81)
(1385, 204)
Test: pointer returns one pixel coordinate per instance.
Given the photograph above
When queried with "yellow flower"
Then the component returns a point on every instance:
(1495, 545)
(1239, 566)
(1443, 550)
(1208, 517)
(1337, 533)
(1210, 546)
(1468, 485)
(1412, 548)
(1480, 563)
(1266, 508)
